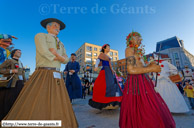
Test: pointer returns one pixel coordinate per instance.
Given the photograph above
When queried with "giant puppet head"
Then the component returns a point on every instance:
(6, 40)
(5, 49)
(53, 25)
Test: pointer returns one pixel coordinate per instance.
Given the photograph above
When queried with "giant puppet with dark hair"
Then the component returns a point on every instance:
(12, 70)
(141, 106)
(107, 93)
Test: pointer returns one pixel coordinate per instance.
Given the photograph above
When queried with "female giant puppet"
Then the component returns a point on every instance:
(141, 106)
(107, 92)
(168, 90)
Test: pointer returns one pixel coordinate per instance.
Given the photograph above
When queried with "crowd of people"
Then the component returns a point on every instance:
(46, 96)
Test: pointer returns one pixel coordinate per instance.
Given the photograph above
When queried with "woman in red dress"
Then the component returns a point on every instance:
(141, 106)
(107, 93)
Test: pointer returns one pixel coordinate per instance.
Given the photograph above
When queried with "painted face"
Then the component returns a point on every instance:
(18, 53)
(136, 40)
(4, 43)
(54, 28)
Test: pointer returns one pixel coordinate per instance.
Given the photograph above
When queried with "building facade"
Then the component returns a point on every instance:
(88, 53)
(122, 66)
(179, 56)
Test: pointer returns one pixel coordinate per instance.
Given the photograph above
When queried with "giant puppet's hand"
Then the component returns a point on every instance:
(155, 68)
(14, 70)
(72, 71)
(53, 51)
(152, 63)
(58, 57)
(133, 61)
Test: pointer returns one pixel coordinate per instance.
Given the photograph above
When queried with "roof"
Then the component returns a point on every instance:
(169, 43)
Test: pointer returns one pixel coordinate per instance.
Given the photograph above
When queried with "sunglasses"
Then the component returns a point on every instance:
(6, 41)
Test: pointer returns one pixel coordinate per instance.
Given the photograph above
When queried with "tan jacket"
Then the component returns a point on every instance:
(44, 58)
(8, 65)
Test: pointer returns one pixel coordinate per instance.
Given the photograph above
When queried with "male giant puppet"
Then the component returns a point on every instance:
(45, 96)
(5, 42)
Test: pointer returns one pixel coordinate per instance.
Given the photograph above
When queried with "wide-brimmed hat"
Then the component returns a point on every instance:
(49, 20)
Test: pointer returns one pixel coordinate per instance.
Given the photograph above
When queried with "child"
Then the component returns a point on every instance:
(189, 89)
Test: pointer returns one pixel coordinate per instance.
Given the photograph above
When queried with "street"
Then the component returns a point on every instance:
(89, 117)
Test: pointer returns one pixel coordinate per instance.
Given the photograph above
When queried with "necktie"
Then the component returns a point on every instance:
(57, 42)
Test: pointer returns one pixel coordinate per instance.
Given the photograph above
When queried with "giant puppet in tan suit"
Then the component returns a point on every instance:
(44, 96)
(45, 43)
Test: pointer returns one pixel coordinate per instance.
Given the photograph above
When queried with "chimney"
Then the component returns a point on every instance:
(182, 43)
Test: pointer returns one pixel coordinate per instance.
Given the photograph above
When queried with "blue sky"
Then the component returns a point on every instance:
(98, 22)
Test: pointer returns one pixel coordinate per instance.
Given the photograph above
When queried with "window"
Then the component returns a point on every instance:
(111, 58)
(95, 54)
(88, 48)
(115, 53)
(176, 56)
(95, 49)
(115, 58)
(89, 60)
(177, 64)
(111, 53)
(115, 63)
(88, 54)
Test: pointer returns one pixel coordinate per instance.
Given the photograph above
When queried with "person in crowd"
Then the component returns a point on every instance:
(73, 82)
(189, 90)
